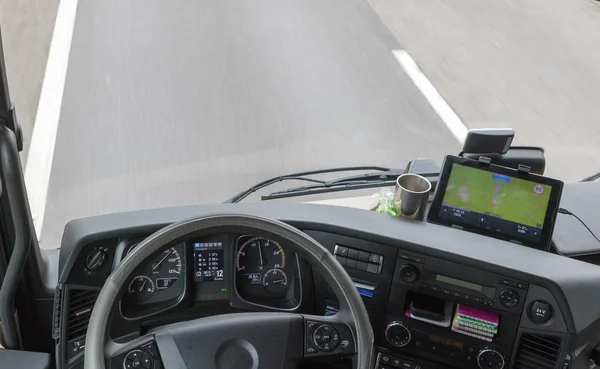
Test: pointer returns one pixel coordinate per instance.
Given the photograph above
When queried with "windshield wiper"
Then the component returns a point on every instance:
(381, 174)
(358, 182)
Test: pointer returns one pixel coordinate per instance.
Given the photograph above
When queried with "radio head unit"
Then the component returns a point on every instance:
(496, 201)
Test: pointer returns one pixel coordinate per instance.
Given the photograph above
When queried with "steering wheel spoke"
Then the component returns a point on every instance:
(140, 353)
(327, 338)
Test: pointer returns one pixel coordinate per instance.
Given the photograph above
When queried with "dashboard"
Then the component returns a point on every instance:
(423, 285)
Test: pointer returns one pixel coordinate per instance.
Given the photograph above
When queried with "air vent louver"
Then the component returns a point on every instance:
(537, 352)
(80, 309)
(56, 312)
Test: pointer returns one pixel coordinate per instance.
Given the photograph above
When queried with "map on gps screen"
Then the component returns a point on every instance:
(512, 199)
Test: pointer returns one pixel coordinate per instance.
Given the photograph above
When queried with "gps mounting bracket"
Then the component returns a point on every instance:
(523, 168)
(485, 160)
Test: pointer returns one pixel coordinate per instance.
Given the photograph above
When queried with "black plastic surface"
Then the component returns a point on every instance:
(573, 283)
(533, 157)
(25, 359)
(273, 339)
(487, 141)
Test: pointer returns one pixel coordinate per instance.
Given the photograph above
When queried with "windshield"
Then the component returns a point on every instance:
(156, 104)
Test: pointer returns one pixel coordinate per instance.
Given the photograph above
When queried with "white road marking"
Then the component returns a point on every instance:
(437, 102)
(43, 139)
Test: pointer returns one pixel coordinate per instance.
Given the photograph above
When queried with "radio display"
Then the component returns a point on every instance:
(445, 341)
(208, 262)
(459, 283)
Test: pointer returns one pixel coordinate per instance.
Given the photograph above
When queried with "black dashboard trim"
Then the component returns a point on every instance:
(569, 280)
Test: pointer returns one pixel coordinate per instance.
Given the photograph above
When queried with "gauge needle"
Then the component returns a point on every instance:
(260, 253)
(161, 260)
(279, 281)
(143, 284)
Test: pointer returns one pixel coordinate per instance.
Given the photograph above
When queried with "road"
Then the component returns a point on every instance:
(195, 101)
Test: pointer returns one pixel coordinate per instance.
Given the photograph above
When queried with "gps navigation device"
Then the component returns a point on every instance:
(496, 201)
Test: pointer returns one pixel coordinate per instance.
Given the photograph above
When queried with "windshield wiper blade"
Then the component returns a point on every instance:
(369, 180)
(301, 177)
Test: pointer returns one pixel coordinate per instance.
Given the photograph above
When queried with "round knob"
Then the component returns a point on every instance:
(95, 260)
(408, 273)
(397, 334)
(490, 359)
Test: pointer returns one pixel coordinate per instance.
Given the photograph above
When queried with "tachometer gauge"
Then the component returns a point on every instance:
(259, 254)
(275, 281)
(141, 288)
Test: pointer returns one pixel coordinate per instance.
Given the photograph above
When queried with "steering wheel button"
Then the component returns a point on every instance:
(318, 339)
(151, 348)
(310, 327)
(325, 329)
(137, 363)
(326, 338)
(396, 363)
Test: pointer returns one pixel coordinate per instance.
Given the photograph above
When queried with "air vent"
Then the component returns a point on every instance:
(80, 309)
(537, 352)
(56, 312)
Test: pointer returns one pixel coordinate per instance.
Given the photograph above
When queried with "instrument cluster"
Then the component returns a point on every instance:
(256, 270)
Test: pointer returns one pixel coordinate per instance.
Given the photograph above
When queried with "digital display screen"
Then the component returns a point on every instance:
(445, 341)
(496, 202)
(459, 283)
(209, 262)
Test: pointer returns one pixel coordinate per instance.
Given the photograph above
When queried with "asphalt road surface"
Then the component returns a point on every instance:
(196, 100)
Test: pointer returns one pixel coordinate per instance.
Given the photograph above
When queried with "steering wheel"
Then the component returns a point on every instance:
(267, 340)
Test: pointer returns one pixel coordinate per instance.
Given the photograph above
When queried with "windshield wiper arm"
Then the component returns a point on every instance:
(301, 177)
(369, 180)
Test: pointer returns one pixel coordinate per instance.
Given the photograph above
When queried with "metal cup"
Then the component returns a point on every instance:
(411, 196)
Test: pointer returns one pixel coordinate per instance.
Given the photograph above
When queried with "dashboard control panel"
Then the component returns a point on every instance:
(404, 292)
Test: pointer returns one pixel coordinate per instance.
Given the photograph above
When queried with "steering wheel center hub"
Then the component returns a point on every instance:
(236, 353)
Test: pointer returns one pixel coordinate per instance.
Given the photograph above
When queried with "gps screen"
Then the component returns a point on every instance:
(495, 202)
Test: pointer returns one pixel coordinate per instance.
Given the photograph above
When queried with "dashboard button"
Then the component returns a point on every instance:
(385, 358)
(361, 265)
(352, 254)
(509, 298)
(351, 263)
(341, 250)
(363, 256)
(341, 260)
(374, 258)
(373, 268)
(407, 364)
(396, 362)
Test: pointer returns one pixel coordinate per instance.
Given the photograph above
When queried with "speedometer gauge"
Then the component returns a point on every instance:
(258, 254)
(166, 268)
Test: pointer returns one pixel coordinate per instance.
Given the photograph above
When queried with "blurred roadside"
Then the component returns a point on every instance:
(27, 27)
(533, 65)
